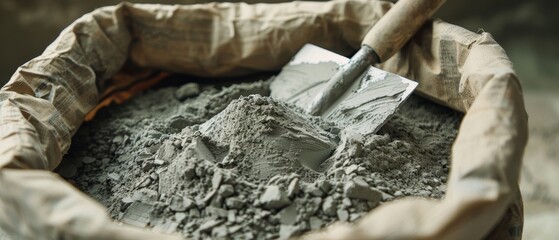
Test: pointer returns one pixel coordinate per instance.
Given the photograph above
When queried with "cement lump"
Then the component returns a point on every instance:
(274, 198)
(294, 187)
(138, 214)
(356, 190)
(315, 223)
(206, 183)
(226, 190)
(180, 204)
(329, 206)
(343, 215)
(187, 91)
(288, 216)
(287, 231)
(88, 160)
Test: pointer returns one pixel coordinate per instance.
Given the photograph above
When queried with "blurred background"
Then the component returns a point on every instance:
(527, 30)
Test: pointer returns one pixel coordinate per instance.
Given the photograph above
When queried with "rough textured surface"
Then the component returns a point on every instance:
(203, 166)
(263, 138)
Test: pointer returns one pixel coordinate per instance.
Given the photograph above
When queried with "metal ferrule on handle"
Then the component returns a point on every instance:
(384, 39)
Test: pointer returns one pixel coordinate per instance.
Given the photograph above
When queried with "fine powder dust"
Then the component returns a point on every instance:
(231, 163)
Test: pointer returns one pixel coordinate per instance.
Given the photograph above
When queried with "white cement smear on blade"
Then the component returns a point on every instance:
(368, 109)
(363, 109)
(299, 83)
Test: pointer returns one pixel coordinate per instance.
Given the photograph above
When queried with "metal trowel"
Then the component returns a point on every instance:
(332, 86)
(358, 97)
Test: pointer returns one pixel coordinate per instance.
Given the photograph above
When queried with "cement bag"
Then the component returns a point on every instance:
(46, 100)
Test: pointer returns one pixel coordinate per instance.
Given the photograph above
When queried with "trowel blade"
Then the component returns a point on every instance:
(362, 109)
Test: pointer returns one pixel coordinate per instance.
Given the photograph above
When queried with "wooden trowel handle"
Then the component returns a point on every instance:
(398, 25)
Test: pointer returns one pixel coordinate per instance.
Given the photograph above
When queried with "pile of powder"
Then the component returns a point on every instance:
(207, 162)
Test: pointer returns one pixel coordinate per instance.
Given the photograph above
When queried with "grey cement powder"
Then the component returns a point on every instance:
(229, 167)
